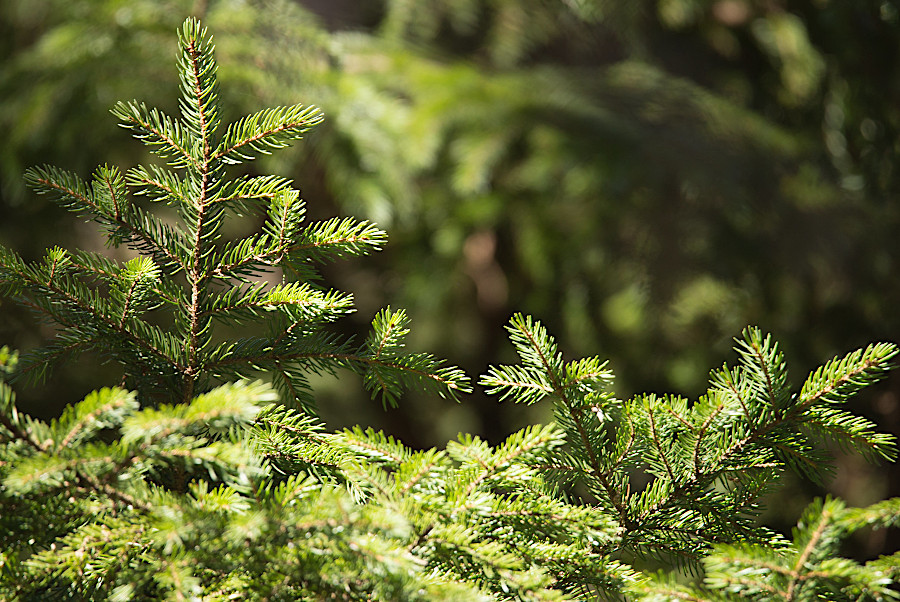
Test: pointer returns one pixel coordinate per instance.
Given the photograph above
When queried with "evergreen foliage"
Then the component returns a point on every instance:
(175, 486)
(187, 278)
(678, 145)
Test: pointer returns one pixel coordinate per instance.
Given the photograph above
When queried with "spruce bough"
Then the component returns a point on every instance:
(188, 277)
(171, 487)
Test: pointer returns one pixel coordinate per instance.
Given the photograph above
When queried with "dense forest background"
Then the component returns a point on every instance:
(644, 177)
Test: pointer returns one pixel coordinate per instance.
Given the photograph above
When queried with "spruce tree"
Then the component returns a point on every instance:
(157, 315)
(190, 480)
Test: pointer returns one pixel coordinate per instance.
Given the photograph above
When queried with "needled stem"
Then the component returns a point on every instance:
(196, 276)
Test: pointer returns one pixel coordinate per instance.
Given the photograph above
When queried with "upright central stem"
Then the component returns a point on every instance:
(196, 276)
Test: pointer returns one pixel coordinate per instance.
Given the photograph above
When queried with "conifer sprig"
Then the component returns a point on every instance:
(164, 317)
(584, 404)
(807, 568)
(708, 462)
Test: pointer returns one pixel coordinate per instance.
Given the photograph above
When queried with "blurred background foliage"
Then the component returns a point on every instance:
(645, 177)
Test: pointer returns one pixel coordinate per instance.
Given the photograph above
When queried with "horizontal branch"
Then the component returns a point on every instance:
(133, 232)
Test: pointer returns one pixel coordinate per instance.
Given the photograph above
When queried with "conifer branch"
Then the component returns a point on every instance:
(198, 78)
(450, 382)
(761, 357)
(34, 367)
(260, 188)
(159, 131)
(661, 452)
(265, 131)
(760, 432)
(93, 486)
(329, 240)
(866, 367)
(701, 432)
(799, 573)
(157, 186)
(191, 370)
(85, 307)
(45, 181)
(532, 351)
